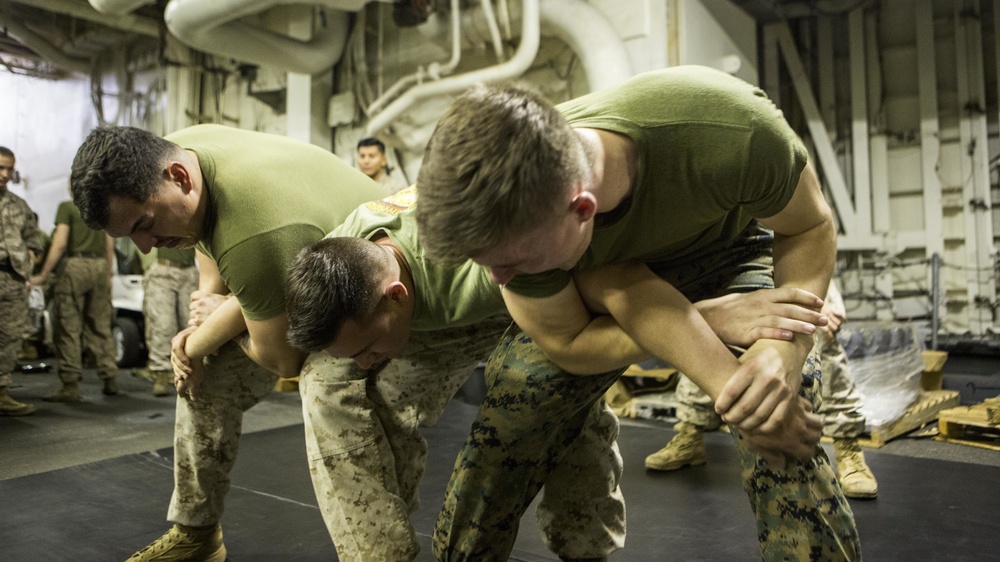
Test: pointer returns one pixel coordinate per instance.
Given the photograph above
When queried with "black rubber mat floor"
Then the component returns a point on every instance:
(104, 511)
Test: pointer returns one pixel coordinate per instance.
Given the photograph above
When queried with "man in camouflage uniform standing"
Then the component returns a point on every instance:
(82, 296)
(20, 241)
(167, 286)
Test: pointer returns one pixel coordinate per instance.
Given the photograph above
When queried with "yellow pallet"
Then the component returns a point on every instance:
(923, 411)
(975, 425)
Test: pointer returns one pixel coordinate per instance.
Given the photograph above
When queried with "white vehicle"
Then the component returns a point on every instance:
(127, 325)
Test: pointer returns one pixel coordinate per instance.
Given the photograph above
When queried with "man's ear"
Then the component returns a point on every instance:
(396, 292)
(584, 205)
(178, 174)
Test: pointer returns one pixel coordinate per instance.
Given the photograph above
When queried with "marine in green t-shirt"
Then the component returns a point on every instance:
(249, 202)
(373, 264)
(83, 240)
(668, 170)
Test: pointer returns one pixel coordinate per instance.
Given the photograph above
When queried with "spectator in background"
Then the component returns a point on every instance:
(82, 299)
(371, 160)
(20, 241)
(167, 286)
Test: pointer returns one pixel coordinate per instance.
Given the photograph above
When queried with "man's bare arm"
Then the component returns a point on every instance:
(804, 252)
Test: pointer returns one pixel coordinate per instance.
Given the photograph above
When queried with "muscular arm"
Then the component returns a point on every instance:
(209, 278)
(268, 346)
(805, 244)
(266, 343)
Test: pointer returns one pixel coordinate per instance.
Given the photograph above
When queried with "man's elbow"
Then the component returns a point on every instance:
(573, 363)
(285, 367)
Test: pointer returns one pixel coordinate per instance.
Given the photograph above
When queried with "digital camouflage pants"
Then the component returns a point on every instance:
(14, 311)
(82, 301)
(533, 413)
(166, 306)
(366, 455)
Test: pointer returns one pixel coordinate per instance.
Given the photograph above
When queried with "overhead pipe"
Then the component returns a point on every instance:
(45, 49)
(118, 7)
(516, 66)
(585, 30)
(130, 23)
(434, 70)
(212, 27)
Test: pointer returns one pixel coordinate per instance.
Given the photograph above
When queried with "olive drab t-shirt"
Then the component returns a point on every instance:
(181, 256)
(713, 154)
(269, 197)
(82, 238)
(446, 296)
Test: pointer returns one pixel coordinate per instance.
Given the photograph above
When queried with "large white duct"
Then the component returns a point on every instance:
(578, 24)
(211, 26)
(134, 24)
(516, 66)
(590, 35)
(118, 7)
(45, 49)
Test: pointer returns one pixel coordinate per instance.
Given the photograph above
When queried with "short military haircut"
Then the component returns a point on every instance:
(116, 161)
(372, 141)
(330, 282)
(4, 151)
(500, 162)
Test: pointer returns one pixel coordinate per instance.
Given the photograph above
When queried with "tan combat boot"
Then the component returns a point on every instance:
(190, 544)
(856, 479)
(11, 407)
(68, 394)
(687, 448)
(162, 382)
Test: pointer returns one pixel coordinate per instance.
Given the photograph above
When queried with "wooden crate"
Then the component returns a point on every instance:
(975, 425)
(925, 410)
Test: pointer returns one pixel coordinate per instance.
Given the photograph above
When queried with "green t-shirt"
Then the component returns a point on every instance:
(446, 296)
(82, 238)
(713, 154)
(269, 197)
(181, 256)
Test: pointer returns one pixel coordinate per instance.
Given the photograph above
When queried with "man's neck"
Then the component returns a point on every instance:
(203, 212)
(405, 277)
(613, 166)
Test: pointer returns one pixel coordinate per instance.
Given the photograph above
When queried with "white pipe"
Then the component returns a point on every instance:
(45, 49)
(517, 65)
(491, 23)
(210, 26)
(135, 24)
(118, 7)
(588, 33)
(437, 70)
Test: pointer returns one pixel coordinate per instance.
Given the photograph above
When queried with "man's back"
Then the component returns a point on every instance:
(270, 196)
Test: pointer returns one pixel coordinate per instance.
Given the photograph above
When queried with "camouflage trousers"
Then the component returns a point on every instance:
(801, 512)
(838, 403)
(529, 434)
(367, 456)
(82, 303)
(207, 435)
(841, 401)
(14, 311)
(166, 307)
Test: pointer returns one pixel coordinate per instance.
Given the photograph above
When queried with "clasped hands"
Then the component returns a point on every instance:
(762, 399)
(188, 370)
